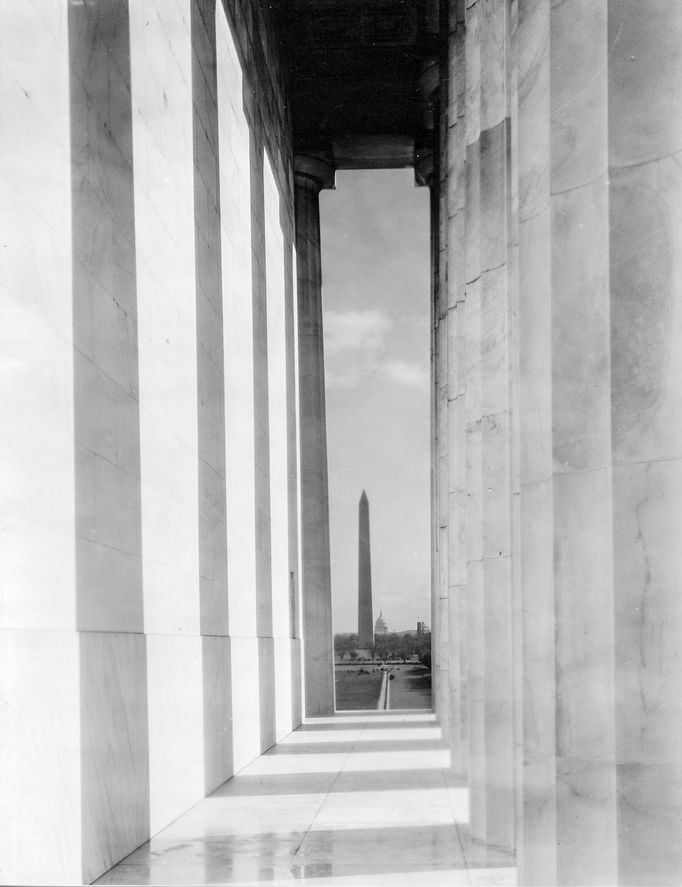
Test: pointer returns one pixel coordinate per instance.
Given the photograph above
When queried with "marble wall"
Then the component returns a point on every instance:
(150, 526)
(562, 273)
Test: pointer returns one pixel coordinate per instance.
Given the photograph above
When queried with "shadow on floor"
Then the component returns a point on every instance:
(343, 723)
(385, 813)
(359, 747)
(315, 783)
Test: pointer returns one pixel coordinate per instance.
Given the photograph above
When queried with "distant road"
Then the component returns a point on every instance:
(410, 687)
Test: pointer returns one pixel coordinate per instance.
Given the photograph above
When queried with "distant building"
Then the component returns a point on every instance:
(380, 626)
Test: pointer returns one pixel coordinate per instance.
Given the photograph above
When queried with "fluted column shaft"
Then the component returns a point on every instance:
(472, 415)
(488, 436)
(453, 158)
(537, 832)
(439, 561)
(312, 174)
(568, 778)
(600, 236)
(446, 662)
(431, 170)
(564, 239)
(645, 250)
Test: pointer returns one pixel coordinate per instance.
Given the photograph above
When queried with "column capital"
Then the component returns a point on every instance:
(429, 79)
(314, 169)
(424, 165)
(428, 84)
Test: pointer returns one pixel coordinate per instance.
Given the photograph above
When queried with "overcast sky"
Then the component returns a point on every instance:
(375, 285)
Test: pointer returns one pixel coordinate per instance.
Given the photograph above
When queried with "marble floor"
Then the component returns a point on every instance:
(359, 799)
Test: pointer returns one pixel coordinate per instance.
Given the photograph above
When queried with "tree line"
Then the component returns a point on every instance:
(390, 645)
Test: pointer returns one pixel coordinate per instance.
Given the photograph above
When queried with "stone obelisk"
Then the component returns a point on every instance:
(365, 620)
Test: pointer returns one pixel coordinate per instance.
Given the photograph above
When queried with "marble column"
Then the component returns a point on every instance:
(489, 441)
(441, 393)
(514, 393)
(536, 844)
(472, 417)
(581, 446)
(430, 170)
(39, 643)
(424, 175)
(211, 437)
(645, 249)
(456, 387)
(312, 173)
(601, 231)
(568, 777)
(169, 325)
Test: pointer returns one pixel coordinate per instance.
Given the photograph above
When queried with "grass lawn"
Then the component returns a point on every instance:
(355, 690)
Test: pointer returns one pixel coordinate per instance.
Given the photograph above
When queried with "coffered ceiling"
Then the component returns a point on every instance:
(355, 66)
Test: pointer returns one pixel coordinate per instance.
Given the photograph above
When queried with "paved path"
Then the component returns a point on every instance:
(362, 800)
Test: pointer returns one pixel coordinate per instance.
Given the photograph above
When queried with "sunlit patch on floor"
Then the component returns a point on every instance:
(356, 800)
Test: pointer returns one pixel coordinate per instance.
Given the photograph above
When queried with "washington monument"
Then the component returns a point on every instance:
(365, 619)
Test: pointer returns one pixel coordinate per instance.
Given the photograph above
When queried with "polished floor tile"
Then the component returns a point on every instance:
(363, 800)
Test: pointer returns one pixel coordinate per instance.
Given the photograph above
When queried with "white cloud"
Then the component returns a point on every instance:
(354, 346)
(356, 352)
(409, 374)
(343, 377)
(364, 330)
